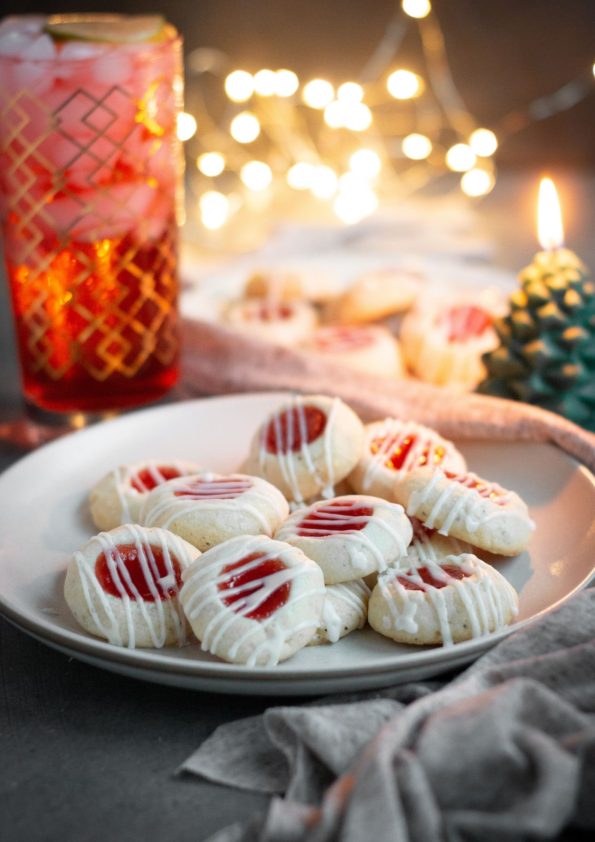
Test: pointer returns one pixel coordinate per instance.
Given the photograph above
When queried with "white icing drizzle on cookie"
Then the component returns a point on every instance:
(355, 595)
(166, 607)
(488, 599)
(429, 547)
(211, 492)
(201, 591)
(461, 498)
(357, 539)
(126, 475)
(391, 435)
(286, 455)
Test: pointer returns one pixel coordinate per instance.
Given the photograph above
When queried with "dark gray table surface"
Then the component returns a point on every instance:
(89, 755)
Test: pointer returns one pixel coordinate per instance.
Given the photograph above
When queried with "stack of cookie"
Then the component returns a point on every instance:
(262, 563)
(388, 323)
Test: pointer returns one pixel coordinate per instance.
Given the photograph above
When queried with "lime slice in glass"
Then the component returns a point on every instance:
(114, 29)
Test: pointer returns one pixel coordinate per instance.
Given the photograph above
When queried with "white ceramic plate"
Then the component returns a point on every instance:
(44, 517)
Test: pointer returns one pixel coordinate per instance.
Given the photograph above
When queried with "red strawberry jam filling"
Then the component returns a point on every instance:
(466, 322)
(420, 531)
(489, 490)
(247, 579)
(291, 429)
(411, 584)
(222, 488)
(148, 478)
(132, 572)
(332, 518)
(270, 312)
(398, 450)
(342, 339)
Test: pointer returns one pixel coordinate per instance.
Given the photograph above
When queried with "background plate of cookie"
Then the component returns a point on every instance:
(44, 517)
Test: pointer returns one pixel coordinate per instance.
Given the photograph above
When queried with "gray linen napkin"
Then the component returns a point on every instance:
(505, 751)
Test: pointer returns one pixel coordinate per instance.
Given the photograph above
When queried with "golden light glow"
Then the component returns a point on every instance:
(239, 86)
(186, 126)
(300, 176)
(416, 146)
(245, 127)
(404, 84)
(211, 163)
(355, 199)
(214, 209)
(265, 82)
(286, 83)
(256, 175)
(460, 158)
(550, 231)
(350, 92)
(324, 182)
(483, 142)
(365, 163)
(477, 182)
(416, 8)
(318, 93)
(344, 114)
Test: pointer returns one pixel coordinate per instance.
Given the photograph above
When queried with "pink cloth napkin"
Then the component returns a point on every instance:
(218, 360)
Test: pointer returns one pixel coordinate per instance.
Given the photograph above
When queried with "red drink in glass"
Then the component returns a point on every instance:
(90, 172)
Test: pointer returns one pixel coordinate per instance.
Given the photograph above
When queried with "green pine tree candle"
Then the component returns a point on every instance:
(546, 354)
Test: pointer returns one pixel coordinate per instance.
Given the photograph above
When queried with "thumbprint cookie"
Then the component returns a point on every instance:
(345, 609)
(283, 322)
(445, 346)
(392, 448)
(207, 508)
(349, 537)
(123, 585)
(119, 496)
(467, 507)
(370, 349)
(306, 446)
(379, 294)
(426, 602)
(253, 600)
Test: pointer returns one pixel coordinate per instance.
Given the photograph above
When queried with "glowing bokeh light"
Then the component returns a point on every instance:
(416, 8)
(318, 93)
(418, 147)
(477, 182)
(365, 163)
(256, 175)
(265, 82)
(301, 175)
(350, 92)
(460, 158)
(239, 85)
(214, 209)
(245, 127)
(186, 126)
(286, 83)
(404, 84)
(324, 182)
(211, 164)
(483, 142)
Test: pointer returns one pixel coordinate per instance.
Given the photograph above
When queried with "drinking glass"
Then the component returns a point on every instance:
(90, 172)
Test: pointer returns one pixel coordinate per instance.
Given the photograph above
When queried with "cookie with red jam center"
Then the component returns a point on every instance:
(349, 537)
(426, 602)
(253, 600)
(123, 586)
(306, 446)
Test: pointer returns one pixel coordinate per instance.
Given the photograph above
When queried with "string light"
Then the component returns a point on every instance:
(239, 86)
(324, 182)
(318, 93)
(211, 164)
(460, 157)
(245, 127)
(416, 146)
(320, 147)
(477, 182)
(483, 142)
(404, 84)
(265, 82)
(286, 83)
(186, 126)
(214, 209)
(416, 8)
(365, 163)
(256, 175)
(300, 176)
(350, 92)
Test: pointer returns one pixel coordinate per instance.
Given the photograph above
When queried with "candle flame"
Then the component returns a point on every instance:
(550, 232)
